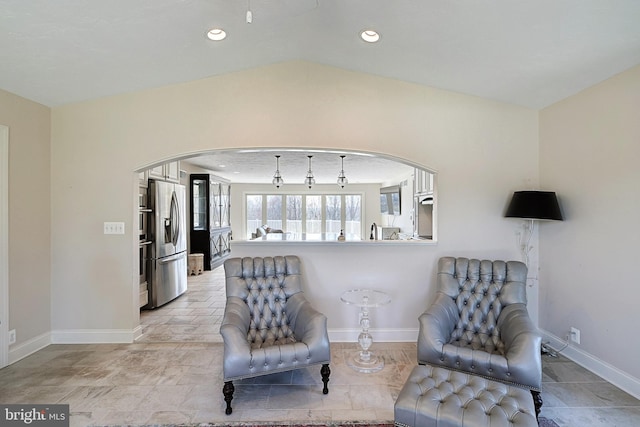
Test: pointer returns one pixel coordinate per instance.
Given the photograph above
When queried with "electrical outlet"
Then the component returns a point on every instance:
(12, 336)
(575, 335)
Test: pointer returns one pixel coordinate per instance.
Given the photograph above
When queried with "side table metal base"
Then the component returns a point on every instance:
(356, 362)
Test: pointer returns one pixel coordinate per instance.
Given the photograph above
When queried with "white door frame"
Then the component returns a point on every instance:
(4, 246)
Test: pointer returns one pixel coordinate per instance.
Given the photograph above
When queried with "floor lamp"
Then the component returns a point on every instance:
(534, 206)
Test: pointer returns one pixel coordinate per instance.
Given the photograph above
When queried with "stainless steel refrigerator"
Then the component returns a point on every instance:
(167, 230)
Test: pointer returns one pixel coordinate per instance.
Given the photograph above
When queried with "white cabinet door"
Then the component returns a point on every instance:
(422, 182)
(157, 172)
(143, 178)
(172, 171)
(168, 172)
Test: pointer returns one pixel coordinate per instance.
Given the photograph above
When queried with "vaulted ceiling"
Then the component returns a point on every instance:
(529, 53)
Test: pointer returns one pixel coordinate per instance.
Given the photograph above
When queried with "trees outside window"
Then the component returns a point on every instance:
(310, 214)
(333, 214)
(274, 211)
(314, 216)
(254, 213)
(294, 214)
(353, 215)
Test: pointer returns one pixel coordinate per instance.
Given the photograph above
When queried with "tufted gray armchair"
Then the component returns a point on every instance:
(268, 325)
(479, 323)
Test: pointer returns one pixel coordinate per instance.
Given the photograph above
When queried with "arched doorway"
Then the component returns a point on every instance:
(255, 166)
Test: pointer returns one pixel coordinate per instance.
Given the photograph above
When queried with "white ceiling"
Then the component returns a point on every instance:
(530, 53)
(258, 166)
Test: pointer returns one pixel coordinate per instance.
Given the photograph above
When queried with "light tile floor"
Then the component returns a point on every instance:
(193, 317)
(173, 375)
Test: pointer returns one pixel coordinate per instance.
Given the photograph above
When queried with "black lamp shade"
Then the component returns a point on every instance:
(534, 205)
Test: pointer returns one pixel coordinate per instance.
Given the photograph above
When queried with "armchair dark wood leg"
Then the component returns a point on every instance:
(537, 401)
(325, 372)
(228, 390)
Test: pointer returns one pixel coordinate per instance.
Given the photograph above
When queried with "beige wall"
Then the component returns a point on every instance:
(483, 150)
(29, 215)
(589, 155)
(65, 275)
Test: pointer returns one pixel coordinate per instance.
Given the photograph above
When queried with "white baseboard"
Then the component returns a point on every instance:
(81, 336)
(137, 332)
(24, 349)
(379, 335)
(95, 336)
(599, 367)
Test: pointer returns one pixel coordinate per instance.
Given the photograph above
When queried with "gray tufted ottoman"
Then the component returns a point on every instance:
(435, 396)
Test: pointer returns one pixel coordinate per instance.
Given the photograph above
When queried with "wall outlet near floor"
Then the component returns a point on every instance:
(575, 335)
(12, 336)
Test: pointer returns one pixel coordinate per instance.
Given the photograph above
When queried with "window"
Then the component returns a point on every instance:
(312, 215)
(333, 214)
(353, 215)
(274, 212)
(313, 220)
(254, 213)
(294, 214)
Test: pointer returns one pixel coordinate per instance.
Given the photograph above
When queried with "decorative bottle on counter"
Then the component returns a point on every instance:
(341, 236)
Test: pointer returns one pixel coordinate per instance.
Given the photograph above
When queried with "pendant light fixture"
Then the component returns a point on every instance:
(277, 177)
(309, 180)
(342, 179)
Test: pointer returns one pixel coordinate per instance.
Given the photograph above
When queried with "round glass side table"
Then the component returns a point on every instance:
(364, 360)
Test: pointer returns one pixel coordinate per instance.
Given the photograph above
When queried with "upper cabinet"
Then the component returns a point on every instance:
(143, 178)
(167, 172)
(422, 182)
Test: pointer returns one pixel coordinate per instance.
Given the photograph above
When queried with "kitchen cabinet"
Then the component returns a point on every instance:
(143, 179)
(422, 204)
(209, 224)
(167, 172)
(422, 182)
(144, 242)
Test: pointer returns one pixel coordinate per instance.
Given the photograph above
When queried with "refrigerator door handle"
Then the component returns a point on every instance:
(171, 258)
(175, 219)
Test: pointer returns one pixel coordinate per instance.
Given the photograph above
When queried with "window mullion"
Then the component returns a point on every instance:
(283, 214)
(323, 214)
(264, 209)
(343, 212)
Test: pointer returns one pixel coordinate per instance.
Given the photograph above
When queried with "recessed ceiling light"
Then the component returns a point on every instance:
(216, 34)
(370, 36)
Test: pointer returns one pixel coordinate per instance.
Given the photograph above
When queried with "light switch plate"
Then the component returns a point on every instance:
(114, 228)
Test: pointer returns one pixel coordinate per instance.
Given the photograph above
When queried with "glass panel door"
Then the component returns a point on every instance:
(216, 221)
(199, 194)
(225, 190)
